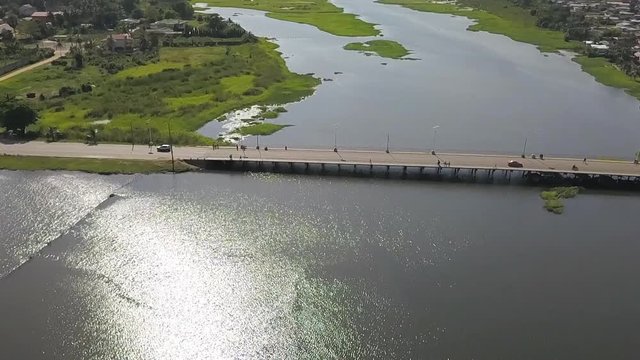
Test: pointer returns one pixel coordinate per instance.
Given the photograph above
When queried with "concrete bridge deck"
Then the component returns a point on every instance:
(329, 157)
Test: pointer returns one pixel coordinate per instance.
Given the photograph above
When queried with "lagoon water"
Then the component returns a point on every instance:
(233, 266)
(486, 92)
(247, 266)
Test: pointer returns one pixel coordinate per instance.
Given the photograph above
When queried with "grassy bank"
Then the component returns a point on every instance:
(505, 18)
(498, 17)
(553, 198)
(98, 166)
(384, 48)
(608, 74)
(185, 86)
(319, 13)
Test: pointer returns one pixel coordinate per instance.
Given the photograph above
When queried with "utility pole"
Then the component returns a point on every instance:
(173, 166)
(149, 129)
(387, 143)
(132, 141)
(435, 133)
(524, 149)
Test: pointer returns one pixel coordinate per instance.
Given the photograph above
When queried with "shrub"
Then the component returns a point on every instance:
(66, 91)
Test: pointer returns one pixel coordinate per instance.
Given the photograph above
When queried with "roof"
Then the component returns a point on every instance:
(121, 37)
(40, 14)
(26, 6)
(169, 22)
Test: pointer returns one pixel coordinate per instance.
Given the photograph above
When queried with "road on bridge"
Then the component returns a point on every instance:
(480, 161)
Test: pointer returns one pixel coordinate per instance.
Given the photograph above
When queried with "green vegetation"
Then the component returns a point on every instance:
(554, 196)
(385, 48)
(16, 115)
(185, 86)
(319, 13)
(608, 74)
(99, 166)
(498, 17)
(260, 129)
(521, 24)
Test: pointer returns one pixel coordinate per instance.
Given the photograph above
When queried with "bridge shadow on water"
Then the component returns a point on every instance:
(498, 176)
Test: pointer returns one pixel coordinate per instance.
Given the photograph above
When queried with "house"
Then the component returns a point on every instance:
(40, 16)
(121, 42)
(26, 10)
(599, 49)
(173, 24)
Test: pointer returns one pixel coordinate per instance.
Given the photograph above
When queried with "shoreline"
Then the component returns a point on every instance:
(102, 166)
(603, 71)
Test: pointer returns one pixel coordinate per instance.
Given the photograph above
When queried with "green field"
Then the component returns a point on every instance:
(498, 17)
(98, 166)
(186, 86)
(319, 13)
(384, 48)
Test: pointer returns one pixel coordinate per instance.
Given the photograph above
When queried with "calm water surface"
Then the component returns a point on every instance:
(235, 266)
(486, 92)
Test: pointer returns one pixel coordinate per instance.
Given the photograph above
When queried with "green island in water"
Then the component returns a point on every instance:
(384, 48)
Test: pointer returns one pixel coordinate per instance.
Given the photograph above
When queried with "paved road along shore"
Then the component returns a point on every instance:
(480, 161)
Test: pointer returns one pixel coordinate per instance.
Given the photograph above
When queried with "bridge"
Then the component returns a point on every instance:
(420, 165)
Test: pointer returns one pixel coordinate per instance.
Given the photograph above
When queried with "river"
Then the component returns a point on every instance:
(211, 266)
(486, 92)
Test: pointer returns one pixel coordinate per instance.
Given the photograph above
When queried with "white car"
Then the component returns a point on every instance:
(164, 148)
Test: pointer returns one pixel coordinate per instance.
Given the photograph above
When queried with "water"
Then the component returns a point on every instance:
(292, 267)
(486, 92)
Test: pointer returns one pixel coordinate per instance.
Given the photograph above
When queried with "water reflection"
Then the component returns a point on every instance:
(270, 266)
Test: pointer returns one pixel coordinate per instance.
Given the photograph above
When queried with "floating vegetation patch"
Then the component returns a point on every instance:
(554, 196)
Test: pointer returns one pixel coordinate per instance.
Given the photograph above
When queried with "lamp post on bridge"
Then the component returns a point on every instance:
(435, 134)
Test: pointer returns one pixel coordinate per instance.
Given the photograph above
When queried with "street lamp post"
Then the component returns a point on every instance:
(150, 143)
(173, 166)
(435, 133)
(132, 141)
(387, 143)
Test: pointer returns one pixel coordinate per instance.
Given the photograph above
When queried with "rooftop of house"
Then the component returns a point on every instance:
(170, 22)
(121, 37)
(38, 14)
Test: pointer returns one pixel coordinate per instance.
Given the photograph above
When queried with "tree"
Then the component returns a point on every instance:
(184, 9)
(12, 20)
(170, 14)
(16, 115)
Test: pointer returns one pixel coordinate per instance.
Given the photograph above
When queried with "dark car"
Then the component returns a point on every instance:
(515, 164)
(164, 148)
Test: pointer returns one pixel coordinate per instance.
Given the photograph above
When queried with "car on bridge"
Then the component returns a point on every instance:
(514, 164)
(164, 148)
